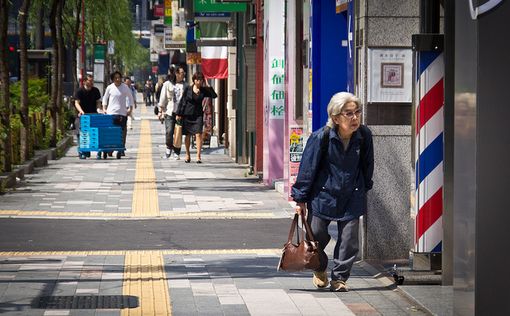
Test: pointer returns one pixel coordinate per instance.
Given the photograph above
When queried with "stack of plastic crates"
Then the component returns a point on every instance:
(98, 133)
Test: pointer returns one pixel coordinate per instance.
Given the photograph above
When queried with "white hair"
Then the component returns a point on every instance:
(337, 103)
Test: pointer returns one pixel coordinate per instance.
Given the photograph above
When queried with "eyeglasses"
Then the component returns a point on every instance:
(350, 114)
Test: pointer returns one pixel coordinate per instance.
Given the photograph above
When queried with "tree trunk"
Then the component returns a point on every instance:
(60, 68)
(54, 74)
(74, 46)
(5, 122)
(39, 40)
(23, 61)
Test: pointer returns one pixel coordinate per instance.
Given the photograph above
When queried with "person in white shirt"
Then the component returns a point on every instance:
(131, 116)
(118, 101)
(169, 99)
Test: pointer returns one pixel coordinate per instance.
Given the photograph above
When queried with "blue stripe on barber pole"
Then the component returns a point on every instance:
(429, 151)
(429, 159)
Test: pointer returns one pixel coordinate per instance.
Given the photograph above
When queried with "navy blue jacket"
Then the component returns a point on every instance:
(335, 187)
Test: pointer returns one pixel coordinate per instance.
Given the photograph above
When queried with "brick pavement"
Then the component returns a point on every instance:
(177, 282)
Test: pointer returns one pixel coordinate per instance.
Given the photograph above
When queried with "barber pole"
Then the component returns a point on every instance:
(429, 151)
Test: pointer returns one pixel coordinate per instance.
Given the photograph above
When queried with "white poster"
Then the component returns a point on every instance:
(389, 75)
(98, 72)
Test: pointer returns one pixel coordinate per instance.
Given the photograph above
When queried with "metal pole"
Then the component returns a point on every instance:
(429, 16)
(139, 19)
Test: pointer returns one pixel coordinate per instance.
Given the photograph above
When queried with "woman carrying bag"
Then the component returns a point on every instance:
(191, 112)
(334, 176)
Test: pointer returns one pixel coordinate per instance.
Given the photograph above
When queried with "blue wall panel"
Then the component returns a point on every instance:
(329, 58)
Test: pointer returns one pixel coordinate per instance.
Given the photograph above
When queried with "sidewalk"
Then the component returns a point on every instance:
(168, 282)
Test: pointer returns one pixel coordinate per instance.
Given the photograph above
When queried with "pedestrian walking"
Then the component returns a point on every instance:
(191, 112)
(334, 176)
(149, 93)
(87, 100)
(159, 85)
(118, 101)
(171, 94)
(131, 116)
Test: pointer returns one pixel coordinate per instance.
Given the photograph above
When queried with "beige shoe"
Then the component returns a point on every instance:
(320, 279)
(338, 286)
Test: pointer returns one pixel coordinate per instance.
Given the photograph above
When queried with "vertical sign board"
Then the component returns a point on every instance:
(178, 22)
(168, 12)
(99, 57)
(296, 152)
(274, 90)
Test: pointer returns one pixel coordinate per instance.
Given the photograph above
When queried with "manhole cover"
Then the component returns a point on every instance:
(87, 302)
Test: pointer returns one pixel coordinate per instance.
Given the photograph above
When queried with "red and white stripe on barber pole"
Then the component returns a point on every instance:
(429, 151)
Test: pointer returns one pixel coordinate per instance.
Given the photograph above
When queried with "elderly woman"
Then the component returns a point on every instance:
(334, 176)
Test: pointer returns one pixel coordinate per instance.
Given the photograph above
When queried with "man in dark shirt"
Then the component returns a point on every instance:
(88, 97)
(87, 100)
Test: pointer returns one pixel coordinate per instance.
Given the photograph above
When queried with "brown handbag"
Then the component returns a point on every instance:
(304, 255)
(178, 134)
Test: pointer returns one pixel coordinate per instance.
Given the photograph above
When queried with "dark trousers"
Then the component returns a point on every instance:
(121, 121)
(346, 248)
(169, 132)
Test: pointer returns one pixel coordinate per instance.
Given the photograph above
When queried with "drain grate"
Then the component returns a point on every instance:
(87, 302)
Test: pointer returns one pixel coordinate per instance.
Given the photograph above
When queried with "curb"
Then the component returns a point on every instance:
(40, 159)
(387, 281)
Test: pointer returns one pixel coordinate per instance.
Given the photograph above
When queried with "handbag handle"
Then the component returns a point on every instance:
(308, 236)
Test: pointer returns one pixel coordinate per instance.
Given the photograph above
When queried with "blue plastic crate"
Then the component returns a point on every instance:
(110, 137)
(95, 120)
(89, 139)
(100, 138)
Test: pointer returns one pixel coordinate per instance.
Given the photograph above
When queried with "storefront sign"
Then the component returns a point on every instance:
(341, 5)
(99, 53)
(215, 6)
(276, 87)
(193, 58)
(296, 149)
(159, 10)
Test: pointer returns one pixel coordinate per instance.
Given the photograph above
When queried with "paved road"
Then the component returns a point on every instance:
(174, 234)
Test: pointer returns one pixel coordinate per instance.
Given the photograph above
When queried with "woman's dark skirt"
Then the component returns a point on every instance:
(193, 125)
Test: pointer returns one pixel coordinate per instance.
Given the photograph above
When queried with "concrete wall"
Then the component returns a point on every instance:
(388, 224)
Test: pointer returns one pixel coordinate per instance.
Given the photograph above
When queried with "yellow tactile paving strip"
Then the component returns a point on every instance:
(145, 195)
(144, 277)
(144, 273)
(143, 108)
